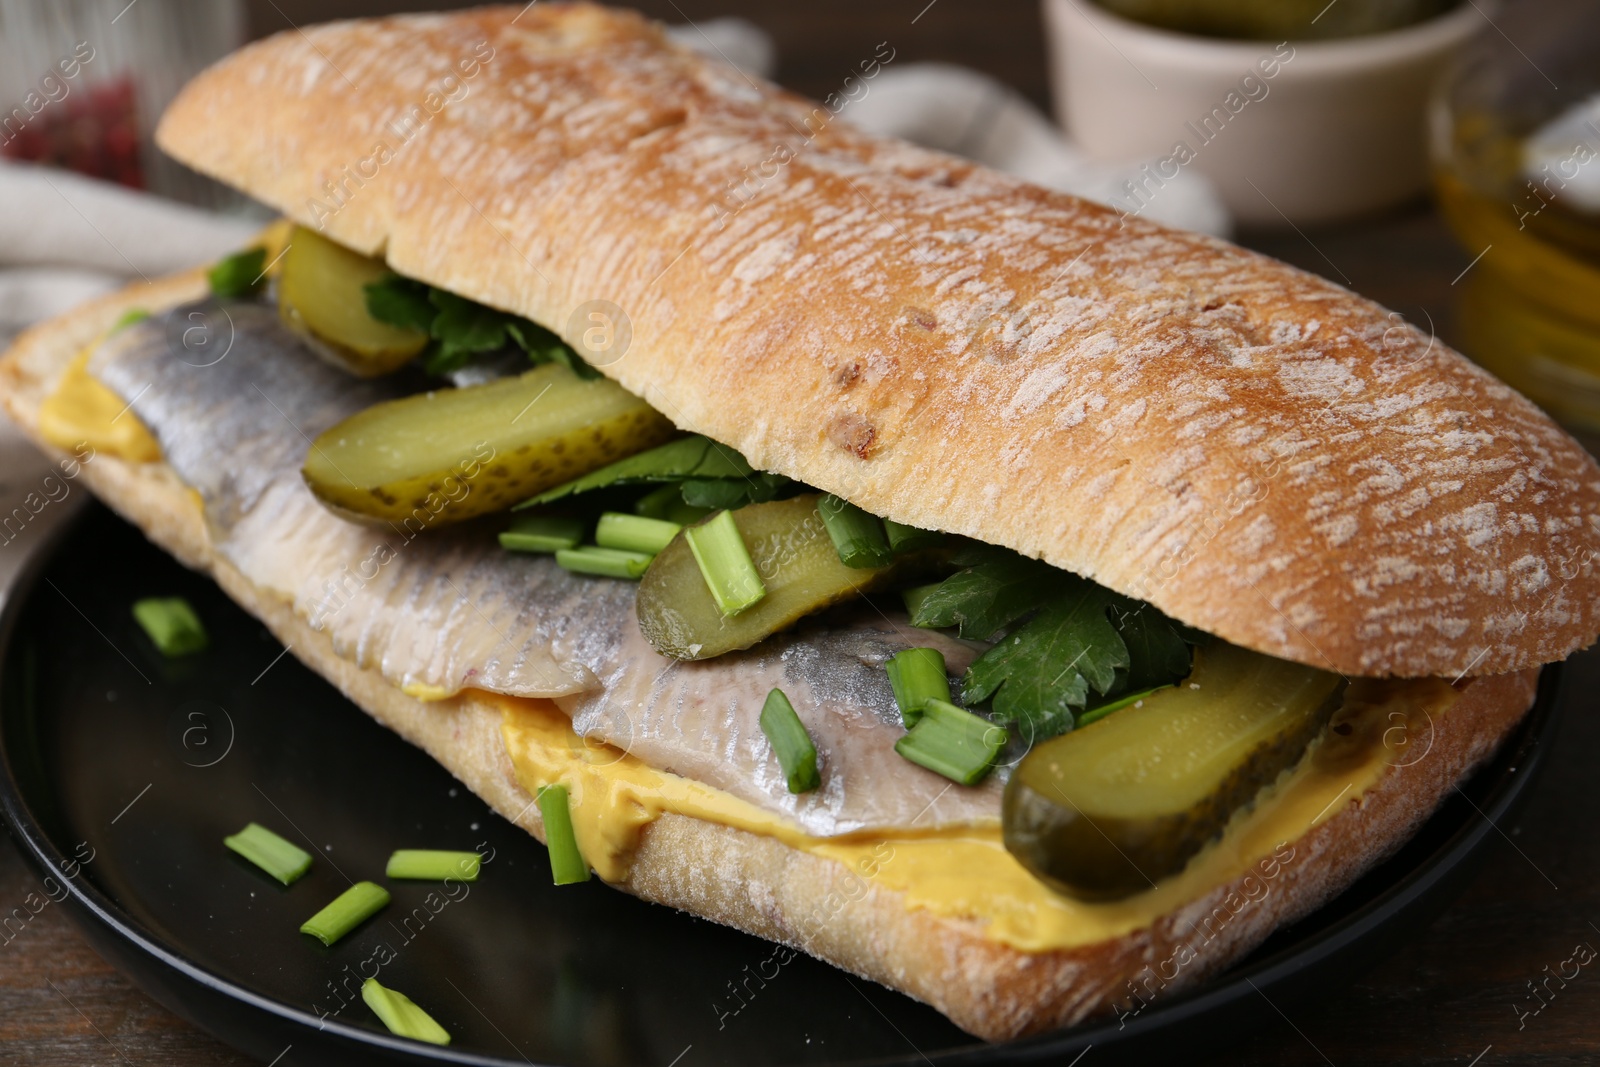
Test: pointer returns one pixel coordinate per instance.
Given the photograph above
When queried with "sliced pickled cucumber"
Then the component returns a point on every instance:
(452, 454)
(1108, 810)
(321, 293)
(798, 564)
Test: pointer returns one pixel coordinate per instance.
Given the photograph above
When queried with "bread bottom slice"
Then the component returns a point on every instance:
(761, 885)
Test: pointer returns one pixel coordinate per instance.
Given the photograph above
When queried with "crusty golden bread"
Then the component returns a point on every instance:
(1252, 449)
(761, 885)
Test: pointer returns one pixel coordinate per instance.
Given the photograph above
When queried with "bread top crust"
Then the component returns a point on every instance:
(1252, 449)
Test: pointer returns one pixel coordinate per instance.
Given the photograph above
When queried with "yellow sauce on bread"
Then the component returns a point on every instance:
(967, 873)
(82, 410)
(963, 873)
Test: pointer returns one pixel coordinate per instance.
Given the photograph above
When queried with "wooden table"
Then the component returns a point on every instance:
(1452, 992)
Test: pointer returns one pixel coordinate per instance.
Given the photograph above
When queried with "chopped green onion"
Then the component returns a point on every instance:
(431, 865)
(725, 563)
(1096, 714)
(634, 533)
(917, 676)
(128, 318)
(915, 596)
(955, 743)
(790, 743)
(401, 1015)
(284, 861)
(171, 624)
(238, 275)
(903, 538)
(542, 533)
(347, 911)
(606, 562)
(567, 864)
(858, 537)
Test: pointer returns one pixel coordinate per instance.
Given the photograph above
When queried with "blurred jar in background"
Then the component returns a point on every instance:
(82, 83)
(1298, 113)
(1516, 155)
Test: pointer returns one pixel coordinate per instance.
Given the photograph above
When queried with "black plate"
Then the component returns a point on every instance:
(109, 751)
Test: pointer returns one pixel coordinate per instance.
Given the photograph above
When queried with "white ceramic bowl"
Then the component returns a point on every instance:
(1298, 132)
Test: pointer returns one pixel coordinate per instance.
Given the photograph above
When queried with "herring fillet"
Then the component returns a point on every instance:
(448, 609)
(237, 430)
(701, 719)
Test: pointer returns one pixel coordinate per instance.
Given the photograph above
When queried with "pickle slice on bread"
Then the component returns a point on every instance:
(791, 550)
(453, 454)
(1107, 811)
(322, 296)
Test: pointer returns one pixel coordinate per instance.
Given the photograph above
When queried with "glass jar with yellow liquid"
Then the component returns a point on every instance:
(1516, 154)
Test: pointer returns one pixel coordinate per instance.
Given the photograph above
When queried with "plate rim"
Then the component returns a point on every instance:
(1525, 749)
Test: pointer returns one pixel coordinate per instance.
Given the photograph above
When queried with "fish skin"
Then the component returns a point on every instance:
(699, 719)
(237, 430)
(448, 609)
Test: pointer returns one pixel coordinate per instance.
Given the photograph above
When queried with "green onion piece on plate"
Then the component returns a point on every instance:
(567, 864)
(790, 743)
(172, 625)
(634, 533)
(952, 742)
(265, 849)
(858, 537)
(542, 533)
(605, 562)
(240, 274)
(347, 911)
(430, 865)
(725, 562)
(903, 538)
(917, 676)
(401, 1015)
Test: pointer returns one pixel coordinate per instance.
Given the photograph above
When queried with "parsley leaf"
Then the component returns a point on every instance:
(462, 328)
(400, 302)
(1067, 638)
(687, 457)
(708, 475)
(715, 493)
(1158, 652)
(239, 275)
(1042, 671)
(543, 346)
(998, 588)
(756, 488)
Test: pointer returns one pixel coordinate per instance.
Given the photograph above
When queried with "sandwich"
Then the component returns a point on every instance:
(1022, 606)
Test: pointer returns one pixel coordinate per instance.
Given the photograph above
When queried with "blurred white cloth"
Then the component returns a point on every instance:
(733, 40)
(958, 110)
(65, 238)
(1563, 156)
